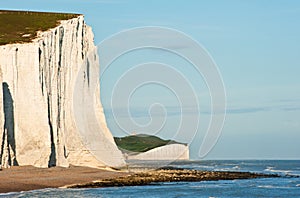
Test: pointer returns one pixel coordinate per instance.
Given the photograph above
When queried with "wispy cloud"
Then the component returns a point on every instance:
(247, 110)
(286, 100)
(291, 109)
(139, 112)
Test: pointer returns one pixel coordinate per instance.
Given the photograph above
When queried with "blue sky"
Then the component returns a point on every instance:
(256, 45)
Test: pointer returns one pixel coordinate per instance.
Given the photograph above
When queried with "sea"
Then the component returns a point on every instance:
(288, 185)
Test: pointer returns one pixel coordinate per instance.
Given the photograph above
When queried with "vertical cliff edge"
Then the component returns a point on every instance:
(37, 123)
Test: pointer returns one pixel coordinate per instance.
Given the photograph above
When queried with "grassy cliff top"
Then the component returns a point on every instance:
(22, 26)
(141, 143)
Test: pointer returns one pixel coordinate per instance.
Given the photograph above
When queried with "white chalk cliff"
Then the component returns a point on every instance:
(166, 152)
(37, 119)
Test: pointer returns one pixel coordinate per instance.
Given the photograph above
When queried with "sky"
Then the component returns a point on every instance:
(256, 46)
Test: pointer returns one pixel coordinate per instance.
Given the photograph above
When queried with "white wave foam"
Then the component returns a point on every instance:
(229, 169)
(270, 186)
(206, 167)
(266, 186)
(8, 194)
(271, 169)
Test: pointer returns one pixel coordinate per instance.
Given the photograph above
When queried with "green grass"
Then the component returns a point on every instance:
(22, 26)
(141, 143)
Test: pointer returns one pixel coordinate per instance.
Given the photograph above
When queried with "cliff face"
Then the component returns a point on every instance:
(37, 119)
(167, 152)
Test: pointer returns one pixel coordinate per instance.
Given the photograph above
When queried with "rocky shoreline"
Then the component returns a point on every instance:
(169, 175)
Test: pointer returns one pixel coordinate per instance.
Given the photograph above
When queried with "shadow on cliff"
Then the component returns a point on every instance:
(9, 126)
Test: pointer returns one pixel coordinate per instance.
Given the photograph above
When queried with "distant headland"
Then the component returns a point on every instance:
(149, 147)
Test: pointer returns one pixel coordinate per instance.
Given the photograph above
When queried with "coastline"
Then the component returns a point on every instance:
(16, 179)
(25, 178)
(169, 175)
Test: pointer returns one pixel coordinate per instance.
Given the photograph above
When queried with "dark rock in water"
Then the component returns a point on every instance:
(170, 175)
(170, 168)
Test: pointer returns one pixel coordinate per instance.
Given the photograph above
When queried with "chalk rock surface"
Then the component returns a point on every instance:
(166, 152)
(38, 123)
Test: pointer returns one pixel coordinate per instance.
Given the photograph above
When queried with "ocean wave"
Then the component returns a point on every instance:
(8, 194)
(271, 186)
(283, 172)
(206, 186)
(266, 186)
(269, 168)
(46, 192)
(229, 164)
(234, 168)
(206, 167)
